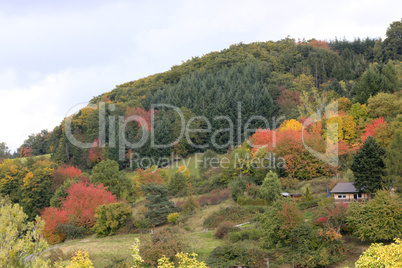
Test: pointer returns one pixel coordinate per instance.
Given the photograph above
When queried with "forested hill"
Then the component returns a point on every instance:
(286, 78)
(341, 60)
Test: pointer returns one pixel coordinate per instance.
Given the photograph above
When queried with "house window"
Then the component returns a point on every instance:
(341, 196)
(358, 196)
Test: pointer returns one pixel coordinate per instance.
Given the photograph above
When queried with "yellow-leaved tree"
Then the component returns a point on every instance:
(185, 260)
(380, 255)
(21, 242)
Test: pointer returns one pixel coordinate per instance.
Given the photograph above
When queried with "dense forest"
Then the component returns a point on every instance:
(250, 107)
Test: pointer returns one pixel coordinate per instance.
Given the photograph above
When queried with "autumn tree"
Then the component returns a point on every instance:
(380, 130)
(380, 255)
(36, 188)
(20, 238)
(63, 173)
(82, 201)
(12, 174)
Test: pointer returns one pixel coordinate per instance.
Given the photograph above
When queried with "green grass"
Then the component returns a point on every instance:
(190, 162)
(202, 243)
(25, 159)
(102, 251)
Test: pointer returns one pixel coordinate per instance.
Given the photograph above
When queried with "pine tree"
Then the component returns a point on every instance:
(159, 206)
(393, 177)
(368, 166)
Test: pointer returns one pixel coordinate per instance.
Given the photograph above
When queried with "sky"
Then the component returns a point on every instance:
(57, 54)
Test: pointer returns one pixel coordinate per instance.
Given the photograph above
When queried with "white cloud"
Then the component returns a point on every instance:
(53, 57)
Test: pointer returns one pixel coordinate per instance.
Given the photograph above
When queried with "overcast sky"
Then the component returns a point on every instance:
(56, 54)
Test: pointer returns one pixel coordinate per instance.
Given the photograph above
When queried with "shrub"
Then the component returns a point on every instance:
(239, 253)
(238, 187)
(173, 217)
(378, 255)
(57, 255)
(161, 243)
(218, 196)
(53, 217)
(190, 205)
(177, 183)
(202, 201)
(111, 217)
(223, 229)
(73, 231)
(307, 204)
(234, 214)
(244, 201)
(252, 234)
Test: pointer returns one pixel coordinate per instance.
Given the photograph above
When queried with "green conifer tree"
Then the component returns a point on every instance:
(368, 166)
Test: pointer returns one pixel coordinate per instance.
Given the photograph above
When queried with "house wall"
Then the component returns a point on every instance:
(349, 197)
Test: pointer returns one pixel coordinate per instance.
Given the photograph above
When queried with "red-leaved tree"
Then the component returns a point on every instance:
(25, 151)
(82, 201)
(96, 153)
(141, 113)
(62, 173)
(53, 217)
(379, 130)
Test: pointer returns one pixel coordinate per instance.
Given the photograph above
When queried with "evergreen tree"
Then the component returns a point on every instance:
(159, 206)
(271, 187)
(368, 166)
(393, 177)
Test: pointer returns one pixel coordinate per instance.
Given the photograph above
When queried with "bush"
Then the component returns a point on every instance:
(233, 214)
(235, 254)
(244, 201)
(215, 197)
(72, 231)
(111, 217)
(238, 187)
(203, 200)
(173, 217)
(177, 183)
(307, 204)
(223, 229)
(218, 196)
(378, 255)
(190, 205)
(161, 243)
(252, 234)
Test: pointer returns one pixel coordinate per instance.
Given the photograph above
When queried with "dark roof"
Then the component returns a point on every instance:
(344, 187)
